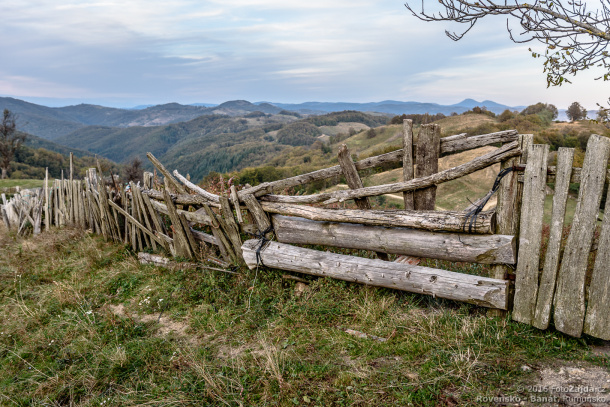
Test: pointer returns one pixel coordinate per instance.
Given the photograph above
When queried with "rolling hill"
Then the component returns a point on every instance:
(215, 142)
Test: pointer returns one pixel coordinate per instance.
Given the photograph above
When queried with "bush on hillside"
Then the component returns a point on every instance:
(417, 118)
(300, 133)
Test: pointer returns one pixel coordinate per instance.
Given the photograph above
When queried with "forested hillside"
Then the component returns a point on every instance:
(214, 142)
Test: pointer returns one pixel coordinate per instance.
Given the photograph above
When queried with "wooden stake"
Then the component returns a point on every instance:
(181, 243)
(408, 170)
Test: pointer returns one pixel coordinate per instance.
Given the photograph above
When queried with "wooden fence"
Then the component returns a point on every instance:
(169, 213)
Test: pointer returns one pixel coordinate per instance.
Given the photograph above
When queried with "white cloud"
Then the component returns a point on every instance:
(214, 50)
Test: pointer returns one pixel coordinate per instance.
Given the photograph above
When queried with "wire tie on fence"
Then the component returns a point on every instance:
(262, 241)
(471, 217)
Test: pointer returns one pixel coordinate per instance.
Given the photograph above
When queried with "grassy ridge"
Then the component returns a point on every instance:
(84, 324)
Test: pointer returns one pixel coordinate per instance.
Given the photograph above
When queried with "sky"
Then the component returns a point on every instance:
(140, 52)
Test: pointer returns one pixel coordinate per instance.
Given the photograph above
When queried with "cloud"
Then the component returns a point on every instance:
(150, 51)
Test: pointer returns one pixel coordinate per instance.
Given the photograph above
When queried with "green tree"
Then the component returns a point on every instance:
(542, 108)
(10, 140)
(576, 112)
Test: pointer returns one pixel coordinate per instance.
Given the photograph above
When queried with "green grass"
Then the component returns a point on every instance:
(22, 183)
(80, 326)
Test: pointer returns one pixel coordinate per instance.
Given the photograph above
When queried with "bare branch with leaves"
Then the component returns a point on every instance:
(575, 38)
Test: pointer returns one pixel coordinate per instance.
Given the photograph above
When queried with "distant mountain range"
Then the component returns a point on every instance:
(55, 122)
(394, 107)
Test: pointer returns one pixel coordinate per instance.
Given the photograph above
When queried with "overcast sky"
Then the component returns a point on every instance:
(127, 53)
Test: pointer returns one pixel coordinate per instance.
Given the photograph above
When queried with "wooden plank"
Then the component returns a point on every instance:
(181, 244)
(353, 181)
(195, 248)
(230, 227)
(179, 188)
(569, 301)
(509, 204)
(235, 201)
(484, 249)
(223, 244)
(565, 157)
(147, 180)
(260, 217)
(435, 221)
(448, 145)
(486, 160)
(483, 291)
(204, 237)
(597, 319)
(530, 237)
(408, 171)
(426, 163)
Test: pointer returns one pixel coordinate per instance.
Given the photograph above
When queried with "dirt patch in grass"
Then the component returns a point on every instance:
(570, 384)
(166, 325)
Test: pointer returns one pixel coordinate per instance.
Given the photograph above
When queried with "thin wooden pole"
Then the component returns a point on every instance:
(47, 219)
(408, 170)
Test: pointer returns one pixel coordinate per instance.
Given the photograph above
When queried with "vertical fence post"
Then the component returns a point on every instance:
(530, 234)
(426, 161)
(407, 160)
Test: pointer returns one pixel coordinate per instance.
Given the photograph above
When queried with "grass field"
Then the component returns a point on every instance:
(22, 183)
(83, 324)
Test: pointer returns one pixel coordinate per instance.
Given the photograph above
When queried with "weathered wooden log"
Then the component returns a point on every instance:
(353, 181)
(426, 163)
(179, 188)
(448, 145)
(570, 292)
(408, 171)
(526, 284)
(494, 249)
(477, 290)
(548, 279)
(503, 153)
(597, 319)
(204, 237)
(207, 195)
(435, 221)
(260, 217)
(181, 199)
